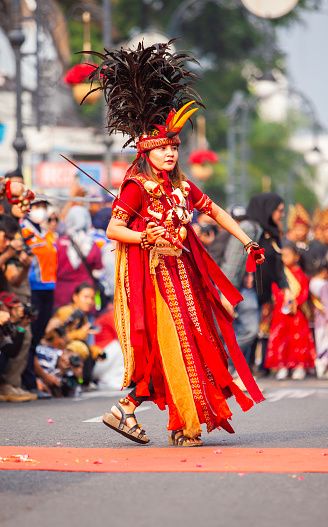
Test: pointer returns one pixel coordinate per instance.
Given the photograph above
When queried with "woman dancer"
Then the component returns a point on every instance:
(165, 298)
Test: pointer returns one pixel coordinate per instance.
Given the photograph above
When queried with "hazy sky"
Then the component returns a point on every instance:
(306, 47)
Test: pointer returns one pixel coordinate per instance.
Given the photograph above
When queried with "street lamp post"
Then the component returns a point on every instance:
(231, 114)
(16, 38)
(107, 39)
(248, 106)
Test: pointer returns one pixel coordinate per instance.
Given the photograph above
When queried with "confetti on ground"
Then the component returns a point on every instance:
(300, 477)
(218, 451)
(18, 458)
(241, 474)
(199, 465)
(259, 451)
(59, 443)
(98, 462)
(50, 421)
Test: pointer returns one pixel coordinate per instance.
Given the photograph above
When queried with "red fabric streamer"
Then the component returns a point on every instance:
(254, 255)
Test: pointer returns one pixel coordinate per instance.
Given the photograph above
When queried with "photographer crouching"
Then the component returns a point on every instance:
(59, 362)
(71, 322)
(14, 319)
(15, 261)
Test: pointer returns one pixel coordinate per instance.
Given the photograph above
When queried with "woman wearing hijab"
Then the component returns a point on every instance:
(267, 210)
(78, 256)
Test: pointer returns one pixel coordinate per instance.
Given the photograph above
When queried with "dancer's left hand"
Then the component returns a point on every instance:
(154, 231)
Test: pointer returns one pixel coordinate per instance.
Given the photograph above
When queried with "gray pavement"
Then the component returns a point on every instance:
(294, 415)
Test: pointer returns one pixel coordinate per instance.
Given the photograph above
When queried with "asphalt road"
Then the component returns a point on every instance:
(294, 415)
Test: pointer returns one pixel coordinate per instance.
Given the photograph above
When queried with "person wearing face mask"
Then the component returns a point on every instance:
(43, 270)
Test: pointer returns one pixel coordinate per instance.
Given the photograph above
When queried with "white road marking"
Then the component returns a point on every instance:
(99, 418)
(100, 393)
(277, 395)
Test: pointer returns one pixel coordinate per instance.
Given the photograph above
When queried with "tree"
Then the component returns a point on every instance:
(227, 41)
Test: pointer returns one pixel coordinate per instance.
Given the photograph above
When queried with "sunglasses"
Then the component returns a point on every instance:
(53, 219)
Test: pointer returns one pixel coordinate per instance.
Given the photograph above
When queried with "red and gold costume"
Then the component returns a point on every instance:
(166, 298)
(291, 342)
(164, 307)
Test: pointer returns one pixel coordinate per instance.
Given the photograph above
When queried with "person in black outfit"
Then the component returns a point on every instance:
(267, 210)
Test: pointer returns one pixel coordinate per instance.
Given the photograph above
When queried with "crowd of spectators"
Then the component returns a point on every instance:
(56, 281)
(282, 324)
(57, 331)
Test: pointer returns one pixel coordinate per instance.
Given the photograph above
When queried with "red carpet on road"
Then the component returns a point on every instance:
(143, 459)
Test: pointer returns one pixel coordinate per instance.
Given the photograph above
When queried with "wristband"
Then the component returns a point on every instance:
(21, 330)
(145, 244)
(248, 245)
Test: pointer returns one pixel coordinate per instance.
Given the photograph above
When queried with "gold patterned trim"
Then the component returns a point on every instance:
(205, 205)
(122, 313)
(148, 143)
(176, 314)
(174, 367)
(120, 214)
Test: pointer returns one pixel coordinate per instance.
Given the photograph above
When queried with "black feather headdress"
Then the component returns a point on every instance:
(142, 86)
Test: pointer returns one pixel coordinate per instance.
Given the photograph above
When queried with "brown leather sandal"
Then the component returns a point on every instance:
(183, 440)
(119, 425)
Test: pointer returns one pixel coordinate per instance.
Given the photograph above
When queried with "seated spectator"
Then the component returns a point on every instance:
(50, 364)
(59, 371)
(79, 257)
(71, 322)
(11, 342)
(72, 318)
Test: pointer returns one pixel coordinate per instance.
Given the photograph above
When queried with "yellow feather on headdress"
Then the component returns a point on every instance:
(176, 121)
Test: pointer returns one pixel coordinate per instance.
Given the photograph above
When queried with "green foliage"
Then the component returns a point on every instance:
(223, 40)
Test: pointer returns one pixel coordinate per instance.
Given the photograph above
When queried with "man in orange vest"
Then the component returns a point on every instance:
(42, 275)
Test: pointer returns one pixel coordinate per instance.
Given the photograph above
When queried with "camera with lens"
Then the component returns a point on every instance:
(26, 248)
(75, 360)
(77, 316)
(8, 329)
(70, 386)
(31, 311)
(207, 228)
